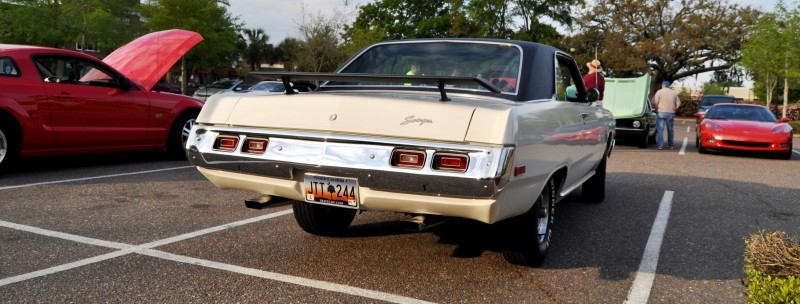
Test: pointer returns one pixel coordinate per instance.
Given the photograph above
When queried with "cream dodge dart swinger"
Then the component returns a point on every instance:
(475, 129)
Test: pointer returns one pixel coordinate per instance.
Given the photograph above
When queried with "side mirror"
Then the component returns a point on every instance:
(784, 119)
(592, 95)
(700, 116)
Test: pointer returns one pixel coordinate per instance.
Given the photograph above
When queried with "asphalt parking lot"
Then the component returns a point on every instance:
(139, 228)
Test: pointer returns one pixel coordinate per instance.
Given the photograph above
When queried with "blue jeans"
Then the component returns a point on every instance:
(669, 120)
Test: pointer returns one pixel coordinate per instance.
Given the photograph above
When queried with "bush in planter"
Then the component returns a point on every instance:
(772, 267)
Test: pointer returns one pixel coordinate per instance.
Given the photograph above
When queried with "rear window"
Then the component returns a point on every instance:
(499, 64)
(8, 67)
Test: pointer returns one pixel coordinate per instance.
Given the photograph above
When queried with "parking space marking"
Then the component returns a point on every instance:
(92, 177)
(795, 151)
(683, 146)
(147, 249)
(350, 290)
(643, 282)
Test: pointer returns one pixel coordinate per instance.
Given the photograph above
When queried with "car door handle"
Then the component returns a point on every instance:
(584, 115)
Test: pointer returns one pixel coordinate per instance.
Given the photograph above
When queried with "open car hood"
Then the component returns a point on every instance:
(626, 97)
(146, 59)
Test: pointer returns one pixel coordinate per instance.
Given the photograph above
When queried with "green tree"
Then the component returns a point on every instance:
(105, 24)
(287, 52)
(321, 50)
(761, 55)
(210, 18)
(257, 47)
(669, 38)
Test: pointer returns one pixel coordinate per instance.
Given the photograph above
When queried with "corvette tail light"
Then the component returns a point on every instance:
(408, 158)
(255, 145)
(450, 162)
(226, 143)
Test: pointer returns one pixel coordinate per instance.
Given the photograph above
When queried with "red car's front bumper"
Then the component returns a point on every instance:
(778, 143)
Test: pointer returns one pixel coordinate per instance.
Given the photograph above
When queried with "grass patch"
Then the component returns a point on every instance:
(772, 267)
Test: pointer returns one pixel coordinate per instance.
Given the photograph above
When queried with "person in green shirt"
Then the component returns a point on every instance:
(414, 70)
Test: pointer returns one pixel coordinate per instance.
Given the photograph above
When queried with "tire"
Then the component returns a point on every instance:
(527, 237)
(178, 134)
(594, 189)
(653, 138)
(697, 141)
(701, 149)
(9, 144)
(322, 220)
(644, 141)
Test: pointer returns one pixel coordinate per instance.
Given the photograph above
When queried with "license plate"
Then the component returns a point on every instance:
(330, 190)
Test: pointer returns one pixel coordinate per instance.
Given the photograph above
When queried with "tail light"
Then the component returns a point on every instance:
(450, 162)
(226, 143)
(255, 145)
(408, 158)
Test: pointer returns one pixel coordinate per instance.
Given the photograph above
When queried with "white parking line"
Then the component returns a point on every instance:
(146, 249)
(350, 290)
(643, 282)
(683, 147)
(795, 151)
(93, 177)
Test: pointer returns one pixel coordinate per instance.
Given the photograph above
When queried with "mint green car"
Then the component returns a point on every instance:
(627, 99)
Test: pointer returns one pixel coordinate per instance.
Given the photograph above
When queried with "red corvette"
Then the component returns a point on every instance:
(56, 102)
(744, 127)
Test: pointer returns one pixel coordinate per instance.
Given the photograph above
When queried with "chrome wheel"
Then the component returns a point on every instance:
(543, 219)
(187, 127)
(3, 146)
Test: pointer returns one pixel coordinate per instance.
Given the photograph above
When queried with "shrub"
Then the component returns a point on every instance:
(772, 267)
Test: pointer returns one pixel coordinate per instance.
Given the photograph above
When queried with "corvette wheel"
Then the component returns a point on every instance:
(322, 220)
(179, 134)
(527, 237)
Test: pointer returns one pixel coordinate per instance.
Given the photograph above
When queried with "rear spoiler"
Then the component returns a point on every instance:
(438, 81)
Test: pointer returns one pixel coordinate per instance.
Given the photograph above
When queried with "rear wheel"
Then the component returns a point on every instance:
(179, 134)
(527, 237)
(9, 144)
(594, 189)
(322, 220)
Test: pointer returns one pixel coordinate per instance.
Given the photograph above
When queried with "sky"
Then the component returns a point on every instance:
(281, 18)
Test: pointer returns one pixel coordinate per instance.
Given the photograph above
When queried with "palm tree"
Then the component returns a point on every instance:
(257, 47)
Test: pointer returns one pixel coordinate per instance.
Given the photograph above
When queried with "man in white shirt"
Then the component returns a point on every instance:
(666, 103)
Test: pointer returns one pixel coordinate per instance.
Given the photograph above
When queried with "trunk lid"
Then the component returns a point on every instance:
(390, 115)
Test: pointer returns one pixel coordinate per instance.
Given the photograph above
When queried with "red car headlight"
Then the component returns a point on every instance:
(784, 128)
(712, 126)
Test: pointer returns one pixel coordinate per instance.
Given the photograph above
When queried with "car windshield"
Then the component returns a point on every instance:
(268, 86)
(223, 84)
(710, 101)
(741, 113)
(497, 63)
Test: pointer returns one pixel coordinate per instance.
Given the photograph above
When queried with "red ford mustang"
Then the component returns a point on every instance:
(55, 102)
(744, 127)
